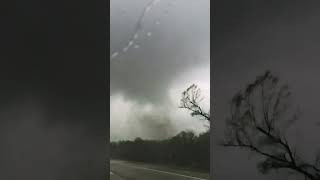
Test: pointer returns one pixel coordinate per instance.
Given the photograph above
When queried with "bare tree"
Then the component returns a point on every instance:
(260, 117)
(191, 99)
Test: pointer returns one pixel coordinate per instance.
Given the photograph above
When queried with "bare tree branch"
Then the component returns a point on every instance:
(191, 99)
(258, 120)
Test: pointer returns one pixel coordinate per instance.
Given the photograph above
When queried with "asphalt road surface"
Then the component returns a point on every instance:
(122, 170)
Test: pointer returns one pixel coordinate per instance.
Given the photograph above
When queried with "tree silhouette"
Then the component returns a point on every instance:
(191, 99)
(185, 149)
(260, 117)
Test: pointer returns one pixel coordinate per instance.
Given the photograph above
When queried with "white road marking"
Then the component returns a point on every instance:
(171, 173)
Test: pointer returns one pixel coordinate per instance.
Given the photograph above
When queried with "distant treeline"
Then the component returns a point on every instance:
(185, 149)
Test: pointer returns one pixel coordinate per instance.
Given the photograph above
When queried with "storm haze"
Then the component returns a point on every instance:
(53, 96)
(170, 53)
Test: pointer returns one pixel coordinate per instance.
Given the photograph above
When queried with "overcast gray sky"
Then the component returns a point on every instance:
(249, 38)
(170, 52)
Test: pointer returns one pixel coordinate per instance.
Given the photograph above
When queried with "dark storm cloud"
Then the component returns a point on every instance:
(170, 53)
(52, 91)
(32, 149)
(251, 37)
(176, 45)
(52, 53)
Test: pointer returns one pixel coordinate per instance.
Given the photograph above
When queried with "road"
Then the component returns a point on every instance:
(122, 170)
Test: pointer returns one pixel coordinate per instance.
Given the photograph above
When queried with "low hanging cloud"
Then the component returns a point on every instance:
(149, 123)
(138, 120)
(178, 44)
(131, 119)
(146, 81)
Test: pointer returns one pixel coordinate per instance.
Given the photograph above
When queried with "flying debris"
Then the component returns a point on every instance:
(136, 36)
(136, 46)
(138, 28)
(115, 54)
(125, 49)
(130, 43)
